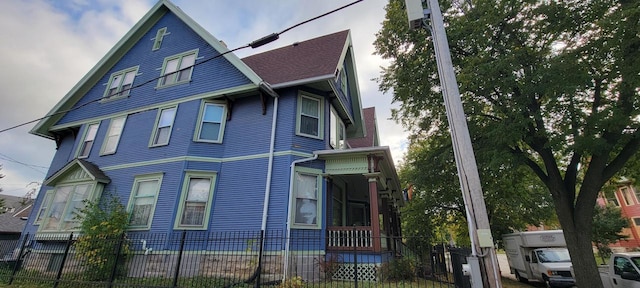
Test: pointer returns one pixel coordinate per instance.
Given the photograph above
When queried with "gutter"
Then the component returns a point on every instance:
(287, 243)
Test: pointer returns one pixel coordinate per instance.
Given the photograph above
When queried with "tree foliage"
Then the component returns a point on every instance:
(550, 90)
(102, 243)
(608, 224)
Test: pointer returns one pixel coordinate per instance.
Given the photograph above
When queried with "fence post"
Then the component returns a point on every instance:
(18, 263)
(64, 259)
(259, 271)
(355, 257)
(115, 263)
(177, 273)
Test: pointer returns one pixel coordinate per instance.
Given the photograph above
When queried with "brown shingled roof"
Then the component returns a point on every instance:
(370, 130)
(303, 60)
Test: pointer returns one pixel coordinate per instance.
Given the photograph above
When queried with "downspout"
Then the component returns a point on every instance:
(291, 180)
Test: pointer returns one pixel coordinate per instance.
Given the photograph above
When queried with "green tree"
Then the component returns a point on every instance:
(552, 86)
(608, 223)
(101, 243)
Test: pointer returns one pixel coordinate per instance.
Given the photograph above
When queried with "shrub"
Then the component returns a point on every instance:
(102, 243)
(397, 270)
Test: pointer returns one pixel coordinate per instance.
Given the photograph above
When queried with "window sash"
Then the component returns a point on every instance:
(211, 123)
(309, 116)
(306, 204)
(65, 205)
(113, 135)
(195, 201)
(87, 143)
(143, 202)
(176, 70)
(165, 123)
(121, 83)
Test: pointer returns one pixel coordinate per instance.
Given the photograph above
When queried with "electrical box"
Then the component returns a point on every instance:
(415, 12)
(485, 238)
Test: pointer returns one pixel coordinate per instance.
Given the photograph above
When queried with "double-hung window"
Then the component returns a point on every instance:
(337, 131)
(113, 135)
(143, 200)
(87, 140)
(164, 123)
(178, 68)
(120, 83)
(307, 202)
(195, 201)
(309, 120)
(157, 41)
(211, 124)
(43, 207)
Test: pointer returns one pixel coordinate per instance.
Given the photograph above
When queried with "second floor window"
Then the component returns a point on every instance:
(309, 117)
(120, 83)
(162, 132)
(337, 131)
(177, 69)
(87, 142)
(113, 135)
(211, 123)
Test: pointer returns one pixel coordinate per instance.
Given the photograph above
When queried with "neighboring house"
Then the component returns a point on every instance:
(192, 140)
(14, 216)
(627, 198)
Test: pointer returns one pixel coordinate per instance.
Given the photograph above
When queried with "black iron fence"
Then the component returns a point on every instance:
(221, 259)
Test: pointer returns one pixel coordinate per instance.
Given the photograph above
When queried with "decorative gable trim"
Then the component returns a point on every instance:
(77, 170)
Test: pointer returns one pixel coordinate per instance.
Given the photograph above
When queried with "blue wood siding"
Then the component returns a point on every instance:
(211, 76)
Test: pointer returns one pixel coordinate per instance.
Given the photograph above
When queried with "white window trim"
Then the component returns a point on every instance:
(320, 116)
(103, 150)
(175, 73)
(319, 201)
(84, 138)
(223, 122)
(156, 127)
(134, 192)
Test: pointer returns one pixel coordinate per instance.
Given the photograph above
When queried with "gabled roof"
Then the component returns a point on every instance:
(121, 48)
(370, 138)
(91, 172)
(315, 63)
(309, 60)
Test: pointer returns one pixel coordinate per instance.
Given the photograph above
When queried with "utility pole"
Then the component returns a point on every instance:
(483, 260)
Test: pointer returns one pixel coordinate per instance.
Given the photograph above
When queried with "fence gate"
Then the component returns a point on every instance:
(459, 257)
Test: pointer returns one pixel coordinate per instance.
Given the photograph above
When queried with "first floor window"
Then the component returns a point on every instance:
(196, 198)
(307, 198)
(67, 202)
(163, 127)
(43, 207)
(143, 200)
(309, 116)
(211, 123)
(88, 139)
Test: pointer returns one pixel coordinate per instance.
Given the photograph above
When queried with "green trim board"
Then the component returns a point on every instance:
(143, 199)
(135, 34)
(202, 159)
(196, 200)
(214, 115)
(212, 95)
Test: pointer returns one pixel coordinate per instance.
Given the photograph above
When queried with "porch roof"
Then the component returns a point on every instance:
(387, 167)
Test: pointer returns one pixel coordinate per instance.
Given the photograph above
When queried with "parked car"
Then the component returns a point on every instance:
(622, 271)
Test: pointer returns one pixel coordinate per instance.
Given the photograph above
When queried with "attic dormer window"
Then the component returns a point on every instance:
(178, 68)
(120, 83)
(158, 40)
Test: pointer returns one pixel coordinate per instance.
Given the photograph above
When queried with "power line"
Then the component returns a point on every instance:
(33, 167)
(254, 44)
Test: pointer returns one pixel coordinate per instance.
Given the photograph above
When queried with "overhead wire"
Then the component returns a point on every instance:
(254, 44)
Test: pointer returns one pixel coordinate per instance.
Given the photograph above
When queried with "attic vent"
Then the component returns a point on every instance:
(223, 44)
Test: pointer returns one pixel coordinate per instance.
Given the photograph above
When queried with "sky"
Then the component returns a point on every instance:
(48, 46)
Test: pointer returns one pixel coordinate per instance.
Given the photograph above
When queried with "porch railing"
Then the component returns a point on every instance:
(350, 238)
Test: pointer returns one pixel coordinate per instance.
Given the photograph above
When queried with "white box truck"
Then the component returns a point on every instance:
(539, 255)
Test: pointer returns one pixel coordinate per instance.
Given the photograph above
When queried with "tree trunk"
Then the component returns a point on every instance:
(576, 226)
